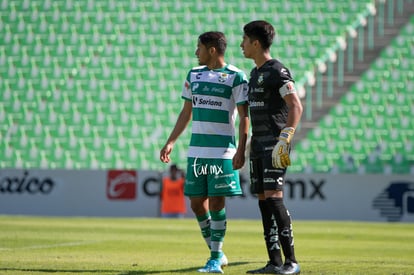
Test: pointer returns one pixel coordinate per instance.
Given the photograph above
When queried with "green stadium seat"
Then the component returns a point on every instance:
(371, 124)
(89, 71)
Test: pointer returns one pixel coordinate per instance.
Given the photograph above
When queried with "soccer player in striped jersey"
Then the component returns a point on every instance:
(275, 111)
(214, 93)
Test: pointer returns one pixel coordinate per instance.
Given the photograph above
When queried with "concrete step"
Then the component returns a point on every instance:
(359, 67)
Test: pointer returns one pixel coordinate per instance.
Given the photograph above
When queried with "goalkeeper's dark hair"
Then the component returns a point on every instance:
(214, 39)
(260, 30)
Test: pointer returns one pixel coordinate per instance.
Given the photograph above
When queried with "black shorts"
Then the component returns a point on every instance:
(263, 176)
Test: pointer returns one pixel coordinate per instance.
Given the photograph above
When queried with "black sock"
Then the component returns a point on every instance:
(270, 234)
(284, 224)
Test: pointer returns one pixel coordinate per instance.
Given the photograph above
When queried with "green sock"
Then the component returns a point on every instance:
(204, 223)
(218, 230)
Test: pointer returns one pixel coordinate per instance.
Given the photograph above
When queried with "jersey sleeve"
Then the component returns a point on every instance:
(186, 91)
(287, 88)
(287, 83)
(240, 88)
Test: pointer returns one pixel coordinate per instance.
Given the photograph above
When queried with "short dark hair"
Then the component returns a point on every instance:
(260, 30)
(214, 39)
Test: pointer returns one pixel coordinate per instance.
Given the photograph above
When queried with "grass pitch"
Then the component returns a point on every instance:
(39, 245)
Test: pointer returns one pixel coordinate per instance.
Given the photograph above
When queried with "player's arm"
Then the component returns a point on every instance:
(182, 121)
(295, 110)
(280, 154)
(239, 157)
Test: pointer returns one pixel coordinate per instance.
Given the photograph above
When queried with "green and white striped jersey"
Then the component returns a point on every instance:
(215, 95)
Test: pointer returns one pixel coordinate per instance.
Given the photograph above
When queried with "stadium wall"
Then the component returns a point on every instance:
(134, 193)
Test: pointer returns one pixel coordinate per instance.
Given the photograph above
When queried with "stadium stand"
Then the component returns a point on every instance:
(370, 130)
(96, 84)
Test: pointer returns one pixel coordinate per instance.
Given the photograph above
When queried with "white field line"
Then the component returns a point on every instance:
(48, 246)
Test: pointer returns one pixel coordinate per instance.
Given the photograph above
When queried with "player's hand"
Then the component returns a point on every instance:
(165, 153)
(238, 160)
(280, 153)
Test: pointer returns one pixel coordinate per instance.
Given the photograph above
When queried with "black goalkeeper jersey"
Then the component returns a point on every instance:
(268, 110)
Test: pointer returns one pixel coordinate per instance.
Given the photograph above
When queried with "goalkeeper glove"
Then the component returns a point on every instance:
(280, 153)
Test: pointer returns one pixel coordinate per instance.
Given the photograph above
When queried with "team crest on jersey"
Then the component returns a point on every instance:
(223, 77)
(260, 79)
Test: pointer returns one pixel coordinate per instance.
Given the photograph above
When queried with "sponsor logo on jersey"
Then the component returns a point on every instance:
(209, 102)
(257, 90)
(121, 184)
(205, 169)
(224, 176)
(232, 185)
(195, 86)
(256, 103)
(269, 180)
(217, 90)
(188, 182)
(273, 170)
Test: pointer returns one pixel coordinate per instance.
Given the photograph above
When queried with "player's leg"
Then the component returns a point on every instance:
(217, 226)
(269, 223)
(284, 224)
(195, 188)
(273, 190)
(222, 181)
(270, 234)
(199, 205)
(217, 231)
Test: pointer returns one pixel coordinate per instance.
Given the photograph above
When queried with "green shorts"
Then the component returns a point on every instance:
(211, 178)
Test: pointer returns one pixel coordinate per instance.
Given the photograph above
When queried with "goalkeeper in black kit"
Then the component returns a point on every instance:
(275, 111)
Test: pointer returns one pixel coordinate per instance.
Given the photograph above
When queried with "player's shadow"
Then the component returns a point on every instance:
(180, 270)
(105, 271)
(60, 271)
